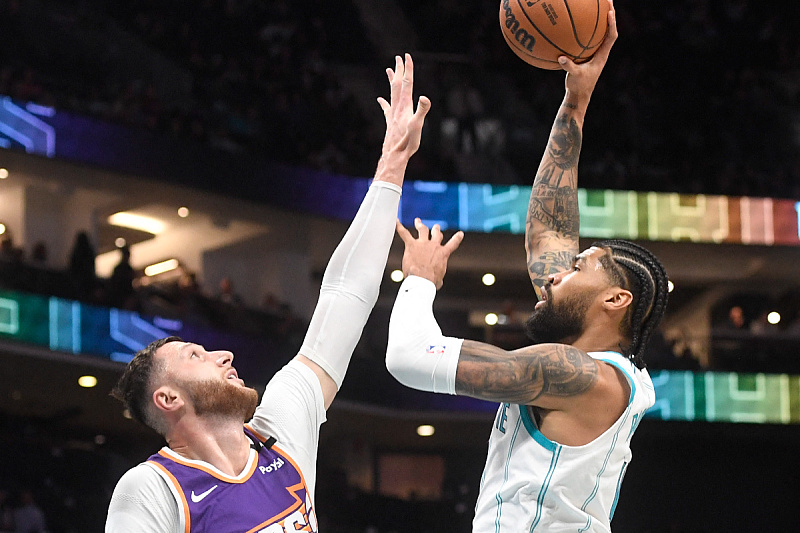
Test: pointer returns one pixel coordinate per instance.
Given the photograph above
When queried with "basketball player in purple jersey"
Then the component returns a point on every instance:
(232, 463)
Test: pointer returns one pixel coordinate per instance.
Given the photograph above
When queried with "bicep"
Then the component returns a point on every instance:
(546, 375)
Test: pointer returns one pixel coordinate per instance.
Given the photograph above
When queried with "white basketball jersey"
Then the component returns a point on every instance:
(532, 484)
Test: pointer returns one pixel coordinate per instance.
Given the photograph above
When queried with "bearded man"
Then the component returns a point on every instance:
(218, 474)
(570, 403)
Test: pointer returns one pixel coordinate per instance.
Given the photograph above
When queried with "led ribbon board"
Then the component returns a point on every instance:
(470, 207)
(74, 327)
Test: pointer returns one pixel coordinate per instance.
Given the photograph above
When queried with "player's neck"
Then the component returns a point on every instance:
(221, 443)
(597, 339)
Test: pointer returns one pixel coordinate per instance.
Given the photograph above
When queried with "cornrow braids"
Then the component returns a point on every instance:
(635, 268)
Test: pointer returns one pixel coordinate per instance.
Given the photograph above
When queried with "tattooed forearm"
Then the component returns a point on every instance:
(523, 376)
(542, 266)
(554, 202)
(565, 142)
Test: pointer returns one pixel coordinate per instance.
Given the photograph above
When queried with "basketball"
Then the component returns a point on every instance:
(539, 31)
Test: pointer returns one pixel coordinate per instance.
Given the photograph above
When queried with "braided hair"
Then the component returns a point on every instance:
(636, 269)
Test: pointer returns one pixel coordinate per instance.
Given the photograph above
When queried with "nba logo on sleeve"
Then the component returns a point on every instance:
(436, 350)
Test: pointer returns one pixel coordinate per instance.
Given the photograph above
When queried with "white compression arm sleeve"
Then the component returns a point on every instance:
(418, 355)
(351, 282)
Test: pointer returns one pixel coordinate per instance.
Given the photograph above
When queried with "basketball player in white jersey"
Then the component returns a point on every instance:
(218, 474)
(569, 404)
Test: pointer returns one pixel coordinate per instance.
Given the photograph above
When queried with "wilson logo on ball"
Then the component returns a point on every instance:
(539, 31)
(520, 34)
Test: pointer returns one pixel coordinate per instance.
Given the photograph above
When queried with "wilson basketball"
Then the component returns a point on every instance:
(539, 31)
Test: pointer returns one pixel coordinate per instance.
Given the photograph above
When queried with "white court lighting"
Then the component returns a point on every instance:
(670, 285)
(425, 430)
(488, 279)
(183, 212)
(774, 317)
(87, 382)
(133, 221)
(3, 173)
(160, 268)
(2, 228)
(491, 319)
(396, 275)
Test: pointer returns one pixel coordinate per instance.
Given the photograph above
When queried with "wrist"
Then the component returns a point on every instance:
(577, 102)
(415, 280)
(391, 168)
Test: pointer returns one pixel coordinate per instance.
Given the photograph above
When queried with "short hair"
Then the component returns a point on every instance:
(638, 270)
(134, 387)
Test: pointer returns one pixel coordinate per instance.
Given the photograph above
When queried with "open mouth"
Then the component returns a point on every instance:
(545, 296)
(231, 375)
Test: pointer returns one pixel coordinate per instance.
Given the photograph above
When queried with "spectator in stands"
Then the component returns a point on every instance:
(82, 268)
(227, 294)
(121, 293)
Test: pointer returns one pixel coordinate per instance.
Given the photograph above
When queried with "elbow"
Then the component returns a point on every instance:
(398, 366)
(394, 361)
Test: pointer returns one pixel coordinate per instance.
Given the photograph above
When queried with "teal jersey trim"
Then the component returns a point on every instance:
(545, 487)
(533, 431)
(622, 369)
(498, 496)
(619, 488)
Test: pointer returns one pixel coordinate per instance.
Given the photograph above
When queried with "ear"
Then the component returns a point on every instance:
(167, 399)
(617, 299)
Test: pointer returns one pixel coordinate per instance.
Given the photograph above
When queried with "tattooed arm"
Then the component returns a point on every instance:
(553, 221)
(545, 375)
(418, 355)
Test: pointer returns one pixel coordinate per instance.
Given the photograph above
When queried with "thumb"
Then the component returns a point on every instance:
(423, 106)
(566, 63)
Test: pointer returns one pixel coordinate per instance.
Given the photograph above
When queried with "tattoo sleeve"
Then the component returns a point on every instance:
(553, 220)
(543, 374)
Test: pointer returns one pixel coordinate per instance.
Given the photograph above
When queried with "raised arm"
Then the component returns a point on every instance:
(552, 376)
(353, 275)
(553, 221)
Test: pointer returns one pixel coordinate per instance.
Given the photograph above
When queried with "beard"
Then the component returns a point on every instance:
(558, 322)
(217, 398)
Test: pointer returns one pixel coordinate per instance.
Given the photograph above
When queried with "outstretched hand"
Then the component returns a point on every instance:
(425, 255)
(582, 78)
(403, 123)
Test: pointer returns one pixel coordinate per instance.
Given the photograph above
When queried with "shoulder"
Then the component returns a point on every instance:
(142, 480)
(142, 502)
(638, 380)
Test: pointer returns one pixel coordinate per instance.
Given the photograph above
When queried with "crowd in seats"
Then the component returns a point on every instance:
(263, 76)
(757, 333)
(179, 297)
(699, 96)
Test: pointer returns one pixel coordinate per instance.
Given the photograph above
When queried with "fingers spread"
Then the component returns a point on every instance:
(422, 229)
(384, 105)
(436, 233)
(403, 232)
(396, 81)
(454, 242)
(423, 107)
(408, 77)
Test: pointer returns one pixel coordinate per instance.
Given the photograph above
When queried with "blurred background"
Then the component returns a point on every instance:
(187, 167)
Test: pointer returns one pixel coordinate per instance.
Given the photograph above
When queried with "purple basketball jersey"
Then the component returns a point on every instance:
(271, 497)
